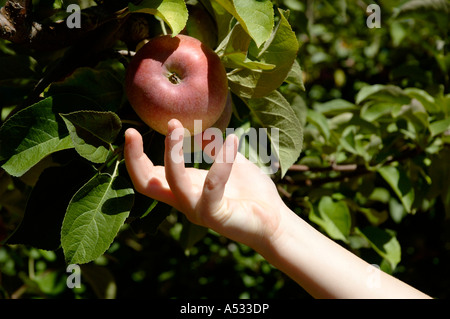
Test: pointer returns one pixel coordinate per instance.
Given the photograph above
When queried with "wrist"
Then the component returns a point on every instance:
(279, 232)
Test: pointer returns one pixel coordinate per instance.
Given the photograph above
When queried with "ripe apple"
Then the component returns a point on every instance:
(176, 77)
(206, 137)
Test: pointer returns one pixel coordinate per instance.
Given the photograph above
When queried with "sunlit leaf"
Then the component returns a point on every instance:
(37, 131)
(400, 184)
(284, 129)
(173, 12)
(94, 216)
(333, 217)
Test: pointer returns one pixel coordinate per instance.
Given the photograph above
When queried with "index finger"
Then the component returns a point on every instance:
(147, 179)
(176, 173)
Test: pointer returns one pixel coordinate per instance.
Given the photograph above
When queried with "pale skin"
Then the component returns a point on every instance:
(237, 200)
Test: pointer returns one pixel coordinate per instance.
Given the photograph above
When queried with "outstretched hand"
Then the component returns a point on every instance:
(233, 197)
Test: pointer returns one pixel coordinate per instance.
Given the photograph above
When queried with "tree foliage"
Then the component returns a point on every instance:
(363, 143)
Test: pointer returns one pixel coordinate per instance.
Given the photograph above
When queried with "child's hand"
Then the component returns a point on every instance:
(234, 198)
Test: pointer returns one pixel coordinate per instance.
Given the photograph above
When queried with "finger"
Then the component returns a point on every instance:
(212, 141)
(176, 173)
(147, 179)
(214, 186)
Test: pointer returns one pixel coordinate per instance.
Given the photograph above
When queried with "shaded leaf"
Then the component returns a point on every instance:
(101, 85)
(384, 242)
(191, 234)
(93, 133)
(100, 279)
(46, 207)
(18, 66)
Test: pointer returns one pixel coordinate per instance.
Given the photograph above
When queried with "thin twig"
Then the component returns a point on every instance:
(346, 171)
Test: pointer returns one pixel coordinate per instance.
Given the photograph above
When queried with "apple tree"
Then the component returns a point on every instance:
(362, 135)
(66, 133)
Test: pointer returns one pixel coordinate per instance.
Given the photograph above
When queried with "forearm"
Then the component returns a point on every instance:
(324, 268)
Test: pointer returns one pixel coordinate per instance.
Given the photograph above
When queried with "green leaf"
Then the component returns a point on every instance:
(400, 184)
(384, 93)
(423, 97)
(233, 51)
(240, 60)
(101, 85)
(415, 113)
(335, 107)
(373, 216)
(279, 50)
(147, 214)
(92, 133)
(191, 234)
(37, 131)
(284, 129)
(173, 12)
(236, 41)
(348, 139)
(47, 204)
(384, 242)
(441, 6)
(439, 127)
(333, 217)
(94, 217)
(319, 121)
(295, 76)
(256, 17)
(372, 111)
(222, 18)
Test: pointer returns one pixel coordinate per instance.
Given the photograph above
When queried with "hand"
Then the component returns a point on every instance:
(234, 198)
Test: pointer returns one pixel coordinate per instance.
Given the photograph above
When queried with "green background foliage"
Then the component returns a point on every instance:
(363, 147)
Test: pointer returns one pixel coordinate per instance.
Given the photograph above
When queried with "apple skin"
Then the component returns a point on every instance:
(176, 77)
(221, 124)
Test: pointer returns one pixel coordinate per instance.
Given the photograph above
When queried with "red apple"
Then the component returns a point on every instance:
(221, 124)
(176, 77)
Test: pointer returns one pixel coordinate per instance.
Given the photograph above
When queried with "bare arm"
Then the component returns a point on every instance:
(326, 269)
(238, 201)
